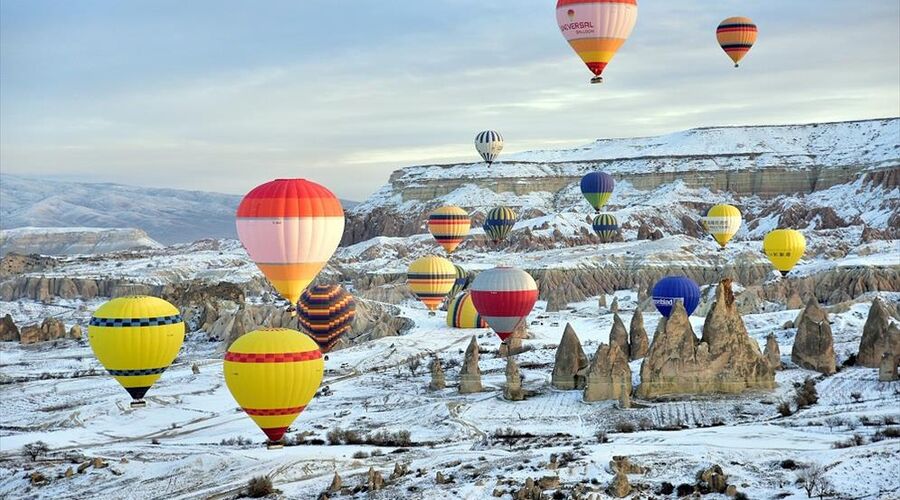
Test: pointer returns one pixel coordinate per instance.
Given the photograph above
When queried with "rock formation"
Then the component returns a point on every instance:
(9, 332)
(437, 375)
(887, 369)
(618, 335)
(555, 303)
(619, 487)
(727, 360)
(512, 391)
(623, 464)
(601, 302)
(714, 478)
(75, 332)
(336, 484)
(49, 329)
(772, 352)
(374, 480)
(470, 374)
(881, 335)
(614, 307)
(513, 344)
(814, 345)
(609, 376)
(571, 365)
(638, 341)
(529, 491)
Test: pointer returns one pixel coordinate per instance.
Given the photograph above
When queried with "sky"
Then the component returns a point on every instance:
(224, 95)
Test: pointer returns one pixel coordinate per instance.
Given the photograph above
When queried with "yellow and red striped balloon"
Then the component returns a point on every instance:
(430, 279)
(596, 29)
(449, 225)
(290, 228)
(736, 36)
(273, 374)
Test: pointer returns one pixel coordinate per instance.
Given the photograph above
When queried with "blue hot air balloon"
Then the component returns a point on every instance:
(597, 187)
(672, 288)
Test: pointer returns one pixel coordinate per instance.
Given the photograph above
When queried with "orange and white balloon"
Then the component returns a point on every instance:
(596, 29)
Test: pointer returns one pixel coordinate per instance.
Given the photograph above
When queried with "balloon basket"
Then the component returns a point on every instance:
(597, 79)
(432, 313)
(274, 445)
(138, 403)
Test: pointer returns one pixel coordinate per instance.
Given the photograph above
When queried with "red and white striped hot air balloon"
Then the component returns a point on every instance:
(504, 296)
(290, 228)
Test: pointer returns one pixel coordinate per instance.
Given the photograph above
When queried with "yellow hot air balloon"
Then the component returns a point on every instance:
(273, 373)
(136, 338)
(449, 225)
(722, 222)
(784, 248)
(736, 35)
(430, 279)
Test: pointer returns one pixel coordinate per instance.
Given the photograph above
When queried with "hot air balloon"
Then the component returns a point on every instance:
(784, 248)
(498, 223)
(290, 228)
(606, 227)
(489, 143)
(674, 288)
(504, 296)
(736, 35)
(326, 313)
(273, 373)
(449, 225)
(461, 282)
(597, 187)
(430, 279)
(596, 29)
(136, 338)
(722, 222)
(461, 312)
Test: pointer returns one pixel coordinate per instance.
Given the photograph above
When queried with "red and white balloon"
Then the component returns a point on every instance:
(504, 296)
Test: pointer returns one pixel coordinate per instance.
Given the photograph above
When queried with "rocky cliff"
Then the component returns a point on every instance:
(72, 241)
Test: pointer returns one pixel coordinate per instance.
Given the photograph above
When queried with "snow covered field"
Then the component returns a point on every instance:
(173, 447)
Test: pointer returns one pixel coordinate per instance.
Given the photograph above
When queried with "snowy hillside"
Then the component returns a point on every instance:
(72, 240)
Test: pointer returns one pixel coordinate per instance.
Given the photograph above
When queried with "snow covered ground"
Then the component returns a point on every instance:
(173, 448)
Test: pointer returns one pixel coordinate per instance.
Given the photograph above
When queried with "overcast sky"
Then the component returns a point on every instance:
(223, 95)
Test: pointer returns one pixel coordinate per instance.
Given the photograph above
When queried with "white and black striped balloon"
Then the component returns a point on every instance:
(489, 143)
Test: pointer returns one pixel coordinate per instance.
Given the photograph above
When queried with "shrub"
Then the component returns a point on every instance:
(850, 361)
(833, 422)
(855, 440)
(154, 441)
(624, 426)
(856, 396)
(891, 432)
(601, 437)
(812, 479)
(788, 464)
(684, 490)
(259, 487)
(741, 496)
(35, 450)
(889, 420)
(806, 394)
(360, 454)
(238, 441)
(377, 453)
(645, 424)
(666, 488)
(784, 408)
(413, 364)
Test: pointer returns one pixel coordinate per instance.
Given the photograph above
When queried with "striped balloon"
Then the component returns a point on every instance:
(596, 29)
(597, 188)
(489, 143)
(461, 282)
(449, 225)
(736, 36)
(461, 313)
(675, 288)
(430, 279)
(504, 296)
(722, 222)
(290, 228)
(273, 373)
(326, 313)
(606, 227)
(499, 223)
(136, 338)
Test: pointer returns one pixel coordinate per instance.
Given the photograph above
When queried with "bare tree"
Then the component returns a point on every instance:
(413, 364)
(833, 422)
(35, 450)
(812, 479)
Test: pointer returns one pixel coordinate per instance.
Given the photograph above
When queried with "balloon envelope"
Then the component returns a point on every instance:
(461, 312)
(489, 143)
(273, 374)
(499, 223)
(722, 222)
(504, 296)
(596, 29)
(430, 279)
(449, 225)
(736, 35)
(606, 227)
(460, 283)
(597, 187)
(784, 248)
(290, 228)
(326, 312)
(136, 338)
(673, 288)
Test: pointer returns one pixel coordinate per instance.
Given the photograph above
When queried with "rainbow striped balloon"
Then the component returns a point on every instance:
(326, 313)
(273, 374)
(596, 29)
(449, 225)
(290, 228)
(430, 279)
(461, 313)
(736, 36)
